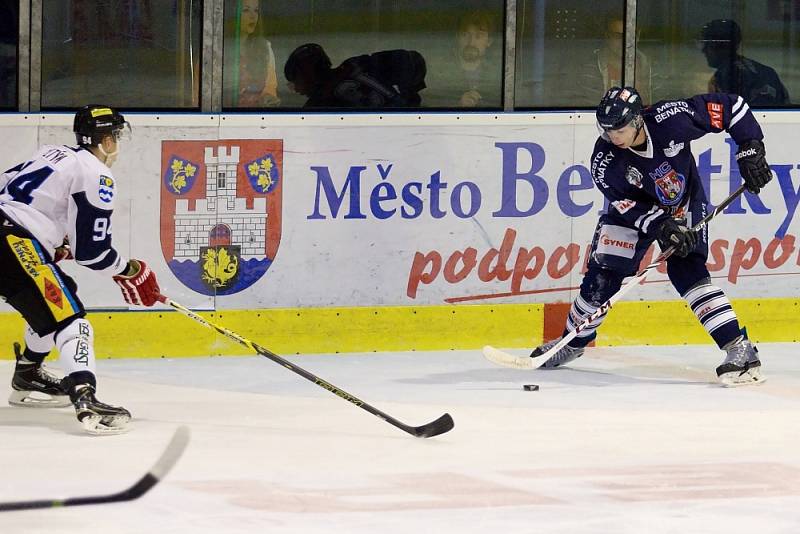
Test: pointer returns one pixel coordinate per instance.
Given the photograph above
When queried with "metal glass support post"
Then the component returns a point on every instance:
(510, 55)
(24, 58)
(630, 43)
(34, 85)
(213, 28)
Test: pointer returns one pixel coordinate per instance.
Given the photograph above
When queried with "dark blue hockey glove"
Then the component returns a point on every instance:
(752, 160)
(675, 233)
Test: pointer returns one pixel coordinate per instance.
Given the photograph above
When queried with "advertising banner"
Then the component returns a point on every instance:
(282, 213)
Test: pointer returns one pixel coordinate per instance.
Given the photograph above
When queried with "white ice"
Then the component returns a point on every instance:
(628, 440)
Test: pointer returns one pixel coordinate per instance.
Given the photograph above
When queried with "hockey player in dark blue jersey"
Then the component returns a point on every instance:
(643, 165)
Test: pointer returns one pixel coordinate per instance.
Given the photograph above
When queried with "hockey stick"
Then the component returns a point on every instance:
(439, 426)
(166, 462)
(527, 362)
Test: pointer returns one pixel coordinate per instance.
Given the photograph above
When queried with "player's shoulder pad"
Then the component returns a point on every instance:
(603, 144)
(98, 182)
(58, 156)
(603, 158)
(667, 110)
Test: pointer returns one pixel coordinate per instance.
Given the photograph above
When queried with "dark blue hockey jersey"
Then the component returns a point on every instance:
(646, 187)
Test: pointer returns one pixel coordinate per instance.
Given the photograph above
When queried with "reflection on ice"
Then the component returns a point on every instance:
(629, 439)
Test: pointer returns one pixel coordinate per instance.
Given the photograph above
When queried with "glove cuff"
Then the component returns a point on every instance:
(132, 269)
(750, 148)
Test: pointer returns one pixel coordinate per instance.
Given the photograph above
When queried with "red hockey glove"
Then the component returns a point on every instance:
(138, 284)
(64, 252)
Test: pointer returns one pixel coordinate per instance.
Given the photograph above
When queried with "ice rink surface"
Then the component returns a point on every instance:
(628, 440)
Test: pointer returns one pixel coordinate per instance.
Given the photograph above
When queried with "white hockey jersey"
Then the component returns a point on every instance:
(65, 191)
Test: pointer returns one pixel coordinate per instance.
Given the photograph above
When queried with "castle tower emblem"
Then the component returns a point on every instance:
(221, 211)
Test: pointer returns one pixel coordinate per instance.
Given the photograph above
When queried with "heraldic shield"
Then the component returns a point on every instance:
(221, 211)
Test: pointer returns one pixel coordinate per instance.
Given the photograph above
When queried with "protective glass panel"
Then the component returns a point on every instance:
(568, 52)
(371, 54)
(746, 48)
(125, 53)
(9, 36)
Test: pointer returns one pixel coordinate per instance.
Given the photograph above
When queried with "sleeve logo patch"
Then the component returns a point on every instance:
(106, 189)
(715, 114)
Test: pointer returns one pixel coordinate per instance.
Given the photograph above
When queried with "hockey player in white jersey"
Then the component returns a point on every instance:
(56, 204)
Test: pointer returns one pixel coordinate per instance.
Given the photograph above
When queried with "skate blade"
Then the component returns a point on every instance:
(26, 399)
(105, 426)
(505, 359)
(753, 377)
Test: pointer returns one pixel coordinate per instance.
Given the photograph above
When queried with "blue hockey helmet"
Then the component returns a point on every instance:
(618, 108)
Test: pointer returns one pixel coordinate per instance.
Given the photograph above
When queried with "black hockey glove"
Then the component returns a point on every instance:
(675, 233)
(752, 160)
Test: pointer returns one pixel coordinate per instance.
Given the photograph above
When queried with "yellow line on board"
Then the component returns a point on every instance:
(150, 334)
(673, 322)
(305, 330)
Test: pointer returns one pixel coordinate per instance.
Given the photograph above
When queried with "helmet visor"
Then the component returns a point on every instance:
(123, 132)
(605, 129)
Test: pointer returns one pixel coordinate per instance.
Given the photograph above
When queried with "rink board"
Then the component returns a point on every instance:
(397, 232)
(332, 330)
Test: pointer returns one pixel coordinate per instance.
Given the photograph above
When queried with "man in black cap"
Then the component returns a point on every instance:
(758, 84)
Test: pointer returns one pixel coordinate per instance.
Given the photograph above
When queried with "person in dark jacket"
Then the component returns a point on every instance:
(386, 79)
(757, 83)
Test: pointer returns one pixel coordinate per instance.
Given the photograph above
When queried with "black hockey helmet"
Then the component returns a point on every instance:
(309, 61)
(721, 32)
(95, 121)
(619, 106)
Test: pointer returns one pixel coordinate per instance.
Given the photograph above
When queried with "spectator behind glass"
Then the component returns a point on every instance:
(758, 84)
(611, 55)
(603, 69)
(470, 75)
(250, 78)
(386, 79)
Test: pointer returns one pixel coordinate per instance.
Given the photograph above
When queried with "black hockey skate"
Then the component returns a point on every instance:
(562, 356)
(95, 416)
(741, 366)
(33, 386)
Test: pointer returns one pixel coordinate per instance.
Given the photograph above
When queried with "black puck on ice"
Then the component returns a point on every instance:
(531, 387)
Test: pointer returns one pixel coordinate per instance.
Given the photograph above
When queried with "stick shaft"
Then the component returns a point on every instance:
(437, 427)
(638, 278)
(165, 463)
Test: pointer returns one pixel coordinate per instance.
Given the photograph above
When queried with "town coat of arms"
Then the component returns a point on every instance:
(221, 211)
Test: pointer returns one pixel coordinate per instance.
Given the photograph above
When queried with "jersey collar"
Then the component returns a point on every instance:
(648, 151)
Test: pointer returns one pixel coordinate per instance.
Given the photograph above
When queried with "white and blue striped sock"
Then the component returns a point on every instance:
(714, 311)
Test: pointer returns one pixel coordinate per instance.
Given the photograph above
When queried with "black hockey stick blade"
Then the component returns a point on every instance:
(440, 426)
(164, 464)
